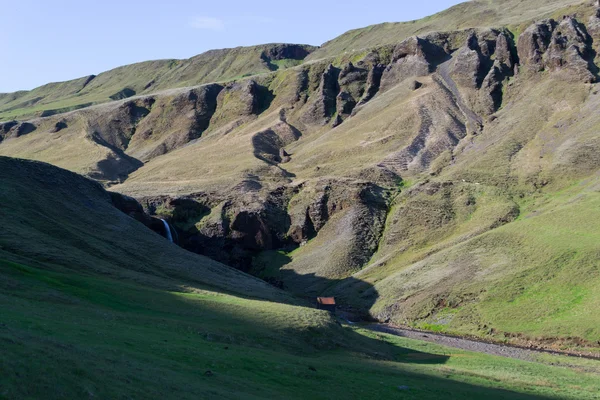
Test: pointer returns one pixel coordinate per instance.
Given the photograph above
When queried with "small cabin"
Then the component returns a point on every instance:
(326, 303)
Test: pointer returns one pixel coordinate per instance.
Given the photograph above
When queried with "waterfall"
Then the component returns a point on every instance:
(167, 230)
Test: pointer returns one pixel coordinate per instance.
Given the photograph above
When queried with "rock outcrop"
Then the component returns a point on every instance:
(323, 104)
(413, 57)
(14, 129)
(269, 144)
(174, 122)
(563, 47)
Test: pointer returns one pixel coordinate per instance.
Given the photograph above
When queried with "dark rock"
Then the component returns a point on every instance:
(131, 207)
(353, 80)
(593, 26)
(556, 47)
(123, 94)
(569, 50)
(503, 52)
(534, 42)
(373, 83)
(240, 100)
(285, 52)
(5, 129)
(323, 103)
(468, 65)
(268, 144)
(149, 84)
(337, 121)
(59, 126)
(14, 129)
(415, 85)
(191, 112)
(491, 89)
(345, 103)
(413, 57)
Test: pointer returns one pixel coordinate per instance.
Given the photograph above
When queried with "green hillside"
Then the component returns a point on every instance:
(152, 320)
(447, 182)
(470, 14)
(149, 77)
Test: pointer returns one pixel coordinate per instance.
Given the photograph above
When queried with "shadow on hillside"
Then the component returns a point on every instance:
(116, 312)
(354, 297)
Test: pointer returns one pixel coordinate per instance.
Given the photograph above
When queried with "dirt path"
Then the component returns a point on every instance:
(468, 344)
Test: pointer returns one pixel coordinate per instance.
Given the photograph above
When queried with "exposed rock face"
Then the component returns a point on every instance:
(233, 229)
(569, 49)
(593, 27)
(123, 94)
(239, 99)
(373, 83)
(491, 89)
(269, 144)
(352, 83)
(134, 209)
(323, 103)
(345, 219)
(504, 53)
(283, 52)
(318, 202)
(174, 123)
(14, 129)
(6, 127)
(534, 42)
(59, 126)
(116, 129)
(468, 65)
(558, 47)
(412, 58)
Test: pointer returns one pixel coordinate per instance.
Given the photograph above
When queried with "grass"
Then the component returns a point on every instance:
(118, 312)
(73, 336)
(141, 78)
(507, 248)
(472, 14)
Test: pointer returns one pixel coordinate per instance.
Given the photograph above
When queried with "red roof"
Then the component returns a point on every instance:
(326, 300)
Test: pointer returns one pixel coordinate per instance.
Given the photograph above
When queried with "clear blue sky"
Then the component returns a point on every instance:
(45, 41)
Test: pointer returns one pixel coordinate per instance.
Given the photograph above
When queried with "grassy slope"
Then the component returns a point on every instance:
(470, 14)
(437, 268)
(94, 305)
(212, 66)
(68, 222)
(547, 132)
(73, 336)
(545, 136)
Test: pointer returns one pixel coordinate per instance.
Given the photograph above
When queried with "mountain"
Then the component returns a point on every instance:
(446, 181)
(515, 14)
(148, 77)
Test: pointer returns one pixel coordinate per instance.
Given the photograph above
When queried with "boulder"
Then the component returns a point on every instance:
(558, 47)
(411, 58)
(569, 50)
(468, 65)
(534, 42)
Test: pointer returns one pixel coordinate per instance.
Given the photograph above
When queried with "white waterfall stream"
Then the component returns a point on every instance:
(168, 230)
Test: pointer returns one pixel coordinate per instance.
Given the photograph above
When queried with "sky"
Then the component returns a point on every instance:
(45, 41)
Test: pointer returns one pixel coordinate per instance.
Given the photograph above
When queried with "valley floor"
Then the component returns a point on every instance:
(66, 335)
